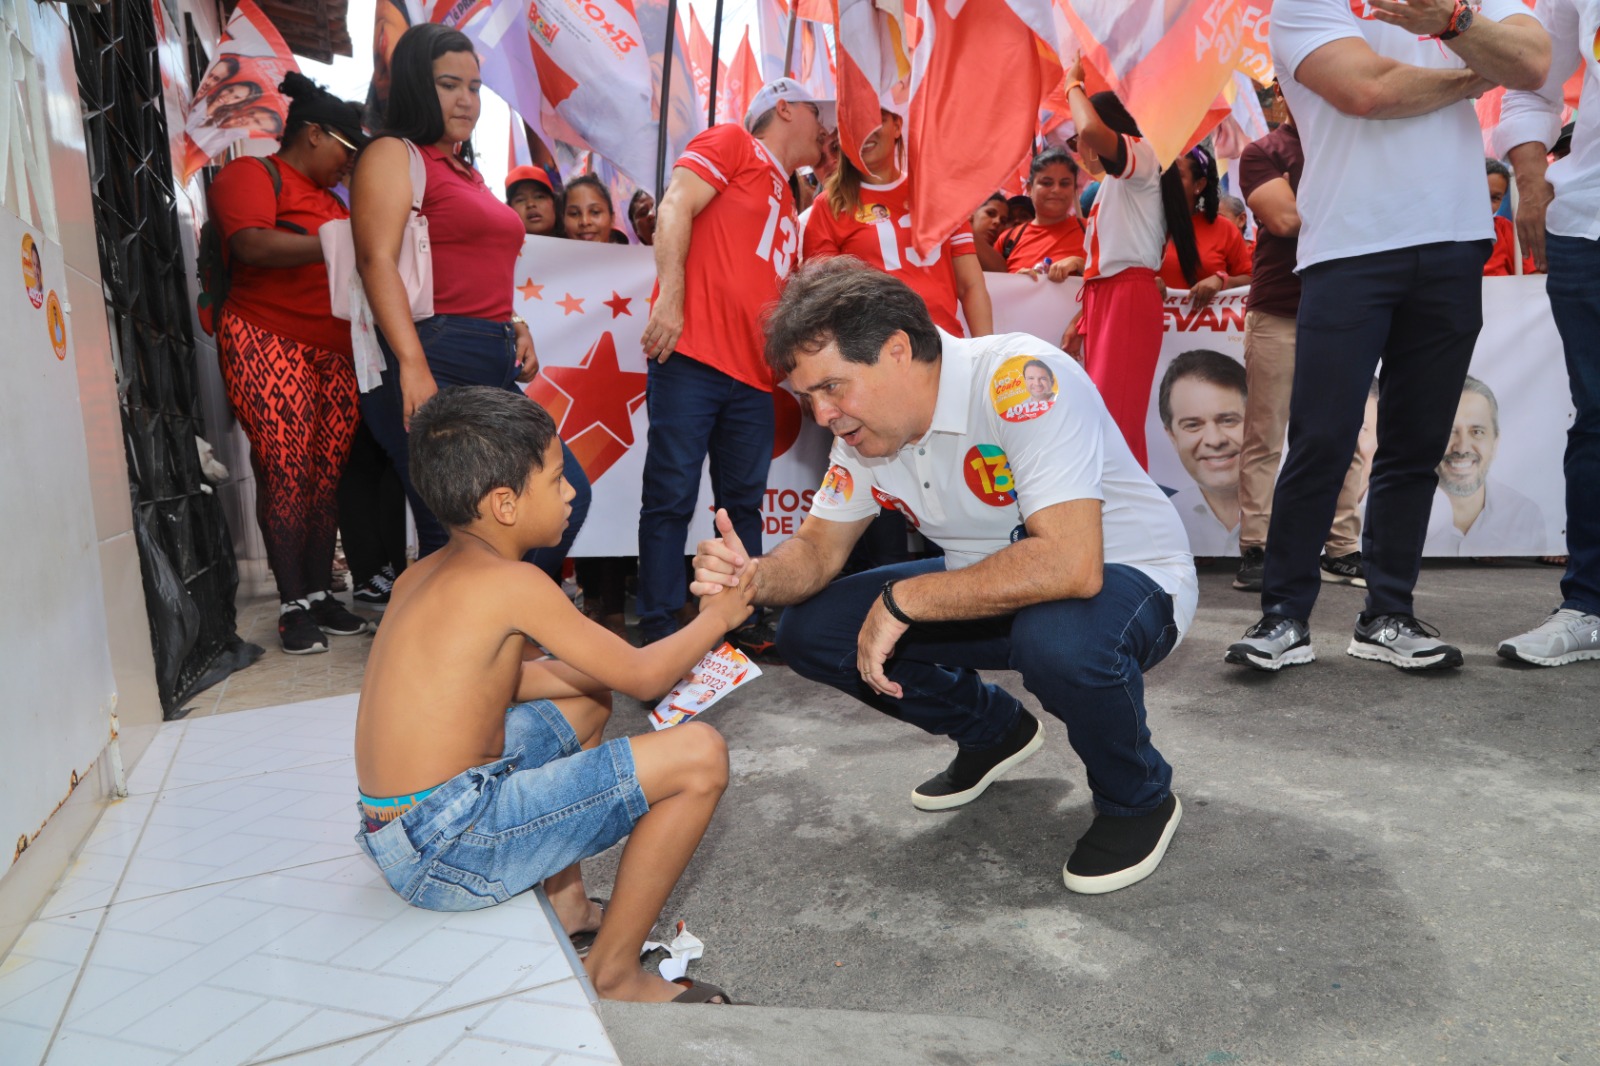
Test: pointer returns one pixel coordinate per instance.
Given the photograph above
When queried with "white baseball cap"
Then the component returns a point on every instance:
(789, 89)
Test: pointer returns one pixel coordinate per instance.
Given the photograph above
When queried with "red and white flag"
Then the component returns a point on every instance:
(744, 80)
(772, 19)
(935, 63)
(238, 97)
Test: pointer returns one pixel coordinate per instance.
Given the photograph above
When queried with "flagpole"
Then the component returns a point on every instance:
(666, 99)
(716, 62)
(788, 51)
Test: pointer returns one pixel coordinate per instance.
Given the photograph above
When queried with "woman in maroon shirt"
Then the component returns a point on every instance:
(473, 338)
(285, 359)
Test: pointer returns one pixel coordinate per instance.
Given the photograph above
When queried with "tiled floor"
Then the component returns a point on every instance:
(223, 914)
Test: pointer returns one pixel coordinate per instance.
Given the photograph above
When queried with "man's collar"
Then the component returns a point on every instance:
(777, 164)
(955, 386)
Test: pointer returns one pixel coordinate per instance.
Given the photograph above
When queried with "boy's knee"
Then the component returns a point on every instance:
(707, 752)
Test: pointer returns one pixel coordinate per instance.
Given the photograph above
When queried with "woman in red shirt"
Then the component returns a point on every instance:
(869, 216)
(1053, 242)
(1224, 259)
(285, 359)
(473, 338)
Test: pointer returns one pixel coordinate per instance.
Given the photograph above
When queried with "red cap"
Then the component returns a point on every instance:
(527, 173)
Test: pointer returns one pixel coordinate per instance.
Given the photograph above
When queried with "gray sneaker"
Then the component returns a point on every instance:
(1567, 636)
(1402, 640)
(1273, 643)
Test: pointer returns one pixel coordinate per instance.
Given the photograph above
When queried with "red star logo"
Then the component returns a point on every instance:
(530, 291)
(619, 304)
(571, 305)
(599, 394)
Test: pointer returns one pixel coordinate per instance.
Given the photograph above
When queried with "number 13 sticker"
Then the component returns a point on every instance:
(988, 474)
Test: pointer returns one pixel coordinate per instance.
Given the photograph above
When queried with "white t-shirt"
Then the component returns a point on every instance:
(1536, 116)
(1375, 185)
(996, 454)
(1510, 523)
(1126, 225)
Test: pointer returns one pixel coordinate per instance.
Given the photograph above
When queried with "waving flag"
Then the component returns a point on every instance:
(238, 98)
(685, 113)
(744, 80)
(772, 19)
(815, 63)
(1168, 59)
(935, 63)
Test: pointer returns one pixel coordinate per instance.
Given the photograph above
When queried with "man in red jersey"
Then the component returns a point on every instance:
(726, 238)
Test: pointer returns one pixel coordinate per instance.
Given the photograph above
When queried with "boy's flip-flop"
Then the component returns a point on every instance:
(583, 941)
(701, 992)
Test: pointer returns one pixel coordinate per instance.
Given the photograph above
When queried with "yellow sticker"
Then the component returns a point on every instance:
(1023, 388)
(58, 324)
(837, 487)
(32, 270)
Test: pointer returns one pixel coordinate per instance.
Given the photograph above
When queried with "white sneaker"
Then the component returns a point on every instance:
(1567, 636)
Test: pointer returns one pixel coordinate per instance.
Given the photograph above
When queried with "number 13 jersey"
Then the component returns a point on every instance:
(741, 249)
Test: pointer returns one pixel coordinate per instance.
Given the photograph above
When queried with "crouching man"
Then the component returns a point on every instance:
(1063, 560)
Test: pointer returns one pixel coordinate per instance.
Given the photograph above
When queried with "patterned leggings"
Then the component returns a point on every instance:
(298, 405)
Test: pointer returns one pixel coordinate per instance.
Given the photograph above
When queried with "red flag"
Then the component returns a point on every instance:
(744, 79)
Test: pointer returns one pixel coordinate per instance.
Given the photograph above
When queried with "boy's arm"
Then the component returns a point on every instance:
(544, 613)
(550, 679)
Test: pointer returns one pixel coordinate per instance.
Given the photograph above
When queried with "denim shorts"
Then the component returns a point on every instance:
(498, 829)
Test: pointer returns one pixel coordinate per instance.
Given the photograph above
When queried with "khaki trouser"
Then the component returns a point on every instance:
(1269, 375)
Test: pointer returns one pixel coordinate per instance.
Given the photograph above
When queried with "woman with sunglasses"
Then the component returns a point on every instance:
(286, 361)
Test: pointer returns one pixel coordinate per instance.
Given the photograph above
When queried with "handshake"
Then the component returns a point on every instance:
(722, 564)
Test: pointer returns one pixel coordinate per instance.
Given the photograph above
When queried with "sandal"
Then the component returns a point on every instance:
(701, 992)
(583, 940)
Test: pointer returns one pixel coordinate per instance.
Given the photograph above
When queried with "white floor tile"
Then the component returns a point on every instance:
(343, 1053)
(525, 1021)
(84, 1049)
(245, 1038)
(24, 1044)
(151, 771)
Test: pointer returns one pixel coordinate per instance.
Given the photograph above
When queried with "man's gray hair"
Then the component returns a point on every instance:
(1476, 385)
(1231, 206)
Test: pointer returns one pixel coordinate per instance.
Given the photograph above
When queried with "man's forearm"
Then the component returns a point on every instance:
(1033, 570)
(1407, 91)
(1529, 161)
(791, 573)
(1513, 54)
(672, 251)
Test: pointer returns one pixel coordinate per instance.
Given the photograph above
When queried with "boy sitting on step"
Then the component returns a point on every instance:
(466, 803)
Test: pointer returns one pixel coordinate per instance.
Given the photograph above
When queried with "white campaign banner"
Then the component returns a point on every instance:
(587, 305)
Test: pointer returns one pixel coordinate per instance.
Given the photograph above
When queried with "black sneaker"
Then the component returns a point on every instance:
(298, 632)
(374, 591)
(1118, 852)
(1344, 570)
(1252, 561)
(1402, 640)
(759, 640)
(331, 616)
(1273, 643)
(970, 772)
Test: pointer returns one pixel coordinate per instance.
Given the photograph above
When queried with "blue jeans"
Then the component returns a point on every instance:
(1574, 288)
(696, 411)
(1419, 311)
(1084, 659)
(461, 351)
(499, 829)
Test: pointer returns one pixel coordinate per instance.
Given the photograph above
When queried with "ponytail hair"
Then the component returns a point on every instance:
(1180, 223)
(1211, 195)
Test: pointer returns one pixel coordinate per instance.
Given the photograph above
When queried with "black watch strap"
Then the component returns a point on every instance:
(892, 607)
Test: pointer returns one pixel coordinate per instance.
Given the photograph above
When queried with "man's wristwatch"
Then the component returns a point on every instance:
(892, 607)
(1460, 21)
(518, 320)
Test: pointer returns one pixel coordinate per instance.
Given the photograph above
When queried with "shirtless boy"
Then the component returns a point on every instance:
(466, 803)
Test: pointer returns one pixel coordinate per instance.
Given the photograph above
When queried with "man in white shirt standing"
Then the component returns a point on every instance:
(1063, 560)
(1381, 87)
(1558, 218)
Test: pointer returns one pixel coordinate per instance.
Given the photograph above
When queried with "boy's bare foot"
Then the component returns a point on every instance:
(577, 912)
(641, 987)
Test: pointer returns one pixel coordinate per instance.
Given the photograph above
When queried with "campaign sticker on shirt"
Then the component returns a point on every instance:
(837, 486)
(32, 270)
(988, 474)
(1023, 388)
(870, 213)
(895, 503)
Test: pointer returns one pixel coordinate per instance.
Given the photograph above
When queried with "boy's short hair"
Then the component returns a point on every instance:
(469, 440)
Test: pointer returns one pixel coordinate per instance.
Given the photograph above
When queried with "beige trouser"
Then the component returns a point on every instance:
(1269, 375)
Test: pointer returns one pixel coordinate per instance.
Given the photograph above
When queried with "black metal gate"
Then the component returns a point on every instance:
(185, 550)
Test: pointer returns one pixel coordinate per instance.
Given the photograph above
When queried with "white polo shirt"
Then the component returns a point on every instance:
(1536, 116)
(1377, 185)
(996, 454)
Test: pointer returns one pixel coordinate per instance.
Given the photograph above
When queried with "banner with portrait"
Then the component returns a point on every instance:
(1501, 482)
(238, 96)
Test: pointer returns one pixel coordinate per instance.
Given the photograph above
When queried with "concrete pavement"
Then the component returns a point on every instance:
(1373, 867)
